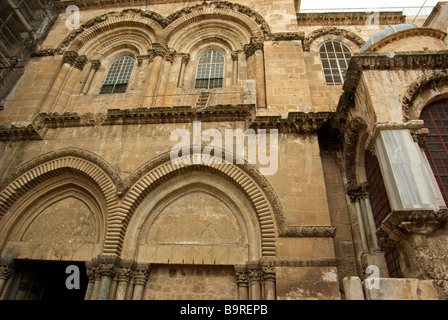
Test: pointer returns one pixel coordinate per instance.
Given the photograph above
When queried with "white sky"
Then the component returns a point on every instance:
(328, 4)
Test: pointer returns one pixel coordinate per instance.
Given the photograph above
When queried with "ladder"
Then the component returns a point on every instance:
(203, 99)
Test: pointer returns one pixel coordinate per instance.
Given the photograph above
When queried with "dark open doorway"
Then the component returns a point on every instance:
(45, 280)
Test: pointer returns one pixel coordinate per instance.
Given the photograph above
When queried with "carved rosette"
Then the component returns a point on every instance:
(141, 273)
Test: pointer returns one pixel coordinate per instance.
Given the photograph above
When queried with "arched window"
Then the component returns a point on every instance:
(118, 77)
(435, 117)
(210, 71)
(335, 57)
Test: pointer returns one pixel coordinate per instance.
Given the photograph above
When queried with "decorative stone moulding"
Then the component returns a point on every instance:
(309, 39)
(412, 60)
(348, 18)
(400, 223)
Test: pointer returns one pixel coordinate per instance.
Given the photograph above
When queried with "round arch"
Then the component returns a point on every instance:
(244, 177)
(349, 38)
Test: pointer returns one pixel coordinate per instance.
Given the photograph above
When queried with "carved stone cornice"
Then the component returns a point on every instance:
(308, 232)
(309, 39)
(296, 122)
(412, 126)
(299, 262)
(44, 52)
(412, 60)
(285, 36)
(348, 18)
(399, 223)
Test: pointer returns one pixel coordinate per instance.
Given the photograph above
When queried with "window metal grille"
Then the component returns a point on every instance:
(381, 208)
(117, 79)
(435, 117)
(378, 196)
(335, 57)
(210, 71)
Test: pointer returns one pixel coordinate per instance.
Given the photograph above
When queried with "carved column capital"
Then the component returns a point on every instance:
(254, 271)
(95, 64)
(242, 276)
(159, 49)
(70, 57)
(81, 62)
(254, 45)
(141, 273)
(92, 269)
(235, 55)
(6, 268)
(124, 270)
(268, 273)
(185, 58)
(107, 265)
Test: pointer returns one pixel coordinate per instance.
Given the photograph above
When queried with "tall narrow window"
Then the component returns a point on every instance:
(210, 72)
(435, 117)
(335, 57)
(117, 79)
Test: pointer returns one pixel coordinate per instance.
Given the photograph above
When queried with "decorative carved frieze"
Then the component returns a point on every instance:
(399, 223)
(397, 61)
(349, 18)
(308, 231)
(298, 262)
(44, 52)
(285, 36)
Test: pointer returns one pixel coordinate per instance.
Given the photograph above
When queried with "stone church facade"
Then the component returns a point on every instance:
(354, 208)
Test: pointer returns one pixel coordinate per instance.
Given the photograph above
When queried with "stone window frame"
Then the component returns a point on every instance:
(209, 78)
(338, 70)
(106, 61)
(121, 81)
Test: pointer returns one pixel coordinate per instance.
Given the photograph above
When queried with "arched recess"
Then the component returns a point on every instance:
(423, 91)
(349, 38)
(64, 217)
(194, 218)
(246, 178)
(83, 173)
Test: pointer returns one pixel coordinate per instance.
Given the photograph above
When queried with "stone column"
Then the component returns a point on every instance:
(141, 274)
(97, 279)
(235, 55)
(242, 281)
(124, 274)
(164, 79)
(94, 66)
(255, 48)
(91, 275)
(269, 282)
(184, 62)
(254, 270)
(106, 268)
(158, 52)
(68, 61)
(6, 271)
(67, 88)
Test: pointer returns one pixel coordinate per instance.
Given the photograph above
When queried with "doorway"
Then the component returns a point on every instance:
(46, 280)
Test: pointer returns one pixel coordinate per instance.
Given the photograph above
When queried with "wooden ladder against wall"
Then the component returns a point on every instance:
(203, 99)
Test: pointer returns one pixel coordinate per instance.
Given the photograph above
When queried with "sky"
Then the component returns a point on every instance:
(317, 4)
